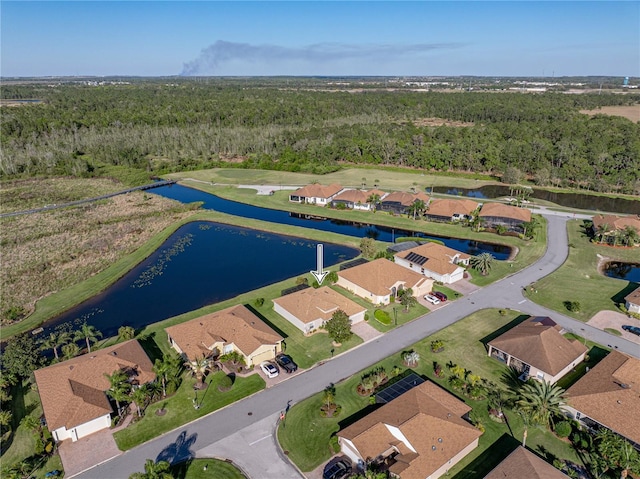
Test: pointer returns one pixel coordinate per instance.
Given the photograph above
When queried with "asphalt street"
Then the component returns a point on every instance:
(199, 435)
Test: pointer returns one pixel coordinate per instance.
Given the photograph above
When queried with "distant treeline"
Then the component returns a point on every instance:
(158, 127)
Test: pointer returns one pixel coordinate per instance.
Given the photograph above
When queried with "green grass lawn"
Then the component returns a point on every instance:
(465, 346)
(596, 292)
(179, 408)
(206, 469)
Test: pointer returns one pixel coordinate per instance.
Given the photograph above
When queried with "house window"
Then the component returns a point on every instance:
(540, 375)
(227, 349)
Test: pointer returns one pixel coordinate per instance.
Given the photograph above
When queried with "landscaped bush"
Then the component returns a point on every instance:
(258, 302)
(437, 345)
(563, 429)
(382, 316)
(573, 306)
(225, 383)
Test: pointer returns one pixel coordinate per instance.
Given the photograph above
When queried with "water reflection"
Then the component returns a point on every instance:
(626, 271)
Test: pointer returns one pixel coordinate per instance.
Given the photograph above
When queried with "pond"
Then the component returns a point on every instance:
(200, 264)
(571, 200)
(626, 271)
(360, 230)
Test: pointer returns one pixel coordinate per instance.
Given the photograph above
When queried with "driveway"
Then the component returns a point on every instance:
(615, 320)
(365, 331)
(87, 452)
(463, 287)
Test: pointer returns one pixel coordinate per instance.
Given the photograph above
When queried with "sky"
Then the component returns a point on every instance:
(330, 38)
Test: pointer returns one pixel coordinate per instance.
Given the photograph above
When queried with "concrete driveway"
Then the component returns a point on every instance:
(615, 321)
(87, 452)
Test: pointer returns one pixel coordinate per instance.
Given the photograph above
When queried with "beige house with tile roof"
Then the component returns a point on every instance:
(232, 329)
(353, 199)
(537, 348)
(632, 301)
(615, 224)
(435, 261)
(523, 464)
(310, 308)
(448, 210)
(420, 434)
(512, 217)
(73, 392)
(399, 201)
(379, 280)
(609, 395)
(315, 193)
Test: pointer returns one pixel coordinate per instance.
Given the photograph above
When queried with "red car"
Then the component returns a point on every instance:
(441, 296)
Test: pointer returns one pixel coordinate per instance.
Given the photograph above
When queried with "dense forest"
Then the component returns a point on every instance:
(157, 127)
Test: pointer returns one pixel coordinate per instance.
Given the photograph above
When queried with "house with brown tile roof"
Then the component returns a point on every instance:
(511, 217)
(315, 194)
(523, 464)
(435, 261)
(450, 210)
(537, 348)
(353, 200)
(310, 308)
(421, 434)
(632, 301)
(399, 202)
(609, 395)
(609, 227)
(73, 392)
(231, 329)
(379, 280)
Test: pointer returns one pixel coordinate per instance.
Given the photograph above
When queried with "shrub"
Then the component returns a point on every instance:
(563, 429)
(225, 383)
(382, 316)
(258, 302)
(437, 345)
(573, 306)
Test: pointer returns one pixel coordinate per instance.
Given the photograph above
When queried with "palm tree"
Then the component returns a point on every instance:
(119, 387)
(125, 333)
(364, 182)
(140, 396)
(407, 299)
(482, 263)
(374, 199)
(630, 235)
(89, 333)
(55, 340)
(199, 368)
(417, 208)
(602, 231)
(376, 183)
(70, 350)
(618, 452)
(527, 421)
(529, 228)
(154, 470)
(541, 400)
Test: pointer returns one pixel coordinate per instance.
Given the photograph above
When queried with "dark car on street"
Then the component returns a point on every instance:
(632, 329)
(337, 470)
(286, 363)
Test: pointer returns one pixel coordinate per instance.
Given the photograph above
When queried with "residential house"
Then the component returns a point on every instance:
(608, 395)
(353, 200)
(435, 261)
(447, 210)
(420, 434)
(537, 348)
(380, 280)
(399, 202)
(232, 329)
(632, 301)
(523, 464)
(310, 308)
(73, 392)
(611, 228)
(511, 217)
(315, 193)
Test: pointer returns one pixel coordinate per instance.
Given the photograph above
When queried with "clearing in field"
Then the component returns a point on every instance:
(629, 112)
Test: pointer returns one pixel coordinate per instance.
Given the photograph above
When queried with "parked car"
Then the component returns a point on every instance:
(441, 296)
(432, 299)
(286, 363)
(269, 369)
(337, 470)
(632, 329)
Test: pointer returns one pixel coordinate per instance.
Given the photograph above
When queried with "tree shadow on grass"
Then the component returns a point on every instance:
(489, 459)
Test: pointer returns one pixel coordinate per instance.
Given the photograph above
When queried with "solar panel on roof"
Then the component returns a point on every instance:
(398, 388)
(416, 258)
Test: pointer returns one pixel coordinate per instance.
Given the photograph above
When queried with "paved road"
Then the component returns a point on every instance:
(506, 293)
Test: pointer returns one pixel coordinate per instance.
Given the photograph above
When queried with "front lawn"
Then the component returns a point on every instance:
(206, 469)
(306, 436)
(179, 408)
(596, 292)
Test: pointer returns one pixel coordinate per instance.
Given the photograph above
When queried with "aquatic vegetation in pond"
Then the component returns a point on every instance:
(157, 269)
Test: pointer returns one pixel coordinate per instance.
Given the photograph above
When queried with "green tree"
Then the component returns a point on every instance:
(329, 396)
(55, 340)
(482, 263)
(512, 176)
(70, 350)
(154, 470)
(407, 299)
(339, 327)
(332, 277)
(167, 368)
(199, 368)
(618, 452)
(418, 207)
(368, 247)
(126, 333)
(89, 333)
(20, 357)
(374, 201)
(119, 387)
(542, 401)
(140, 396)
(529, 228)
